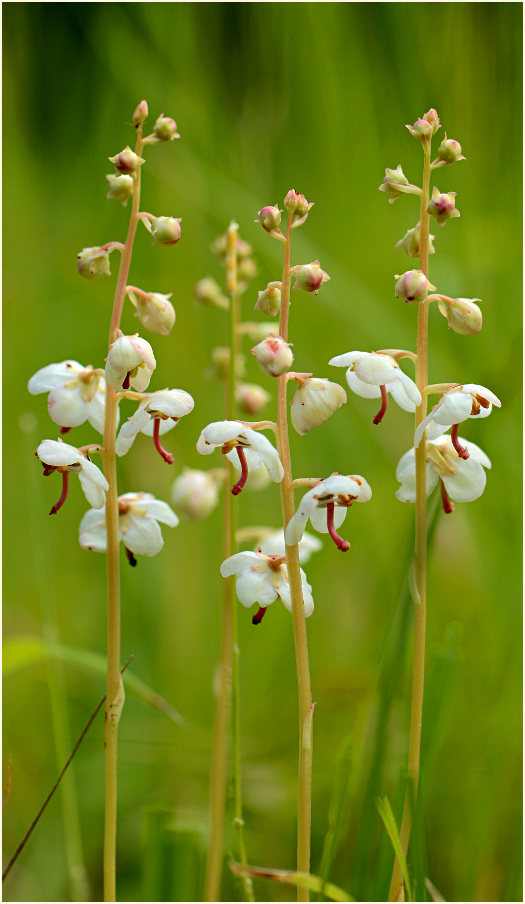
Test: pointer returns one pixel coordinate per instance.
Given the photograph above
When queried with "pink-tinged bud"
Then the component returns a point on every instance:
(449, 151)
(443, 206)
(412, 286)
(410, 242)
(314, 402)
(309, 277)
(120, 188)
(140, 113)
(274, 355)
(251, 398)
(154, 310)
(166, 230)
(393, 178)
(297, 205)
(269, 301)
(463, 314)
(426, 127)
(195, 494)
(127, 161)
(93, 262)
(207, 291)
(269, 218)
(165, 129)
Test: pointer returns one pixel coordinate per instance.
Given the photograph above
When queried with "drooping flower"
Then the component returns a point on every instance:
(130, 362)
(314, 401)
(326, 505)
(154, 310)
(251, 448)
(61, 457)
(373, 375)
(442, 206)
(164, 409)
(273, 545)
(261, 579)
(76, 393)
(139, 514)
(457, 405)
(274, 355)
(195, 493)
(309, 277)
(461, 479)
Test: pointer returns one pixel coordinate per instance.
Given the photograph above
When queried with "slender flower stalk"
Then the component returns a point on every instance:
(304, 804)
(114, 686)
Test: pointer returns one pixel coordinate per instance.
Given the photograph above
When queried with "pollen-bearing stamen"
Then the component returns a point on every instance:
(448, 505)
(461, 450)
(384, 402)
(341, 544)
(236, 489)
(167, 456)
(63, 496)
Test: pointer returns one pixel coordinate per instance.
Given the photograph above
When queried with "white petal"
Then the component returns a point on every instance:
(318, 518)
(453, 408)
(66, 407)
(348, 359)
(284, 594)
(377, 369)
(173, 402)
(160, 511)
(420, 429)
(164, 426)
(365, 490)
(365, 390)
(130, 428)
(92, 530)
(53, 375)
(97, 408)
(297, 523)
(93, 483)
(273, 545)
(410, 391)
(142, 536)
(476, 453)
(269, 454)
(255, 587)
(239, 562)
(467, 482)
(58, 454)
(482, 391)
(253, 459)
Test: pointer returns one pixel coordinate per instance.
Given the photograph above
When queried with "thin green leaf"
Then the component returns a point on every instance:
(385, 812)
(289, 877)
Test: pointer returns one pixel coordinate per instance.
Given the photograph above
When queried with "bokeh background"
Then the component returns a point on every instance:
(267, 96)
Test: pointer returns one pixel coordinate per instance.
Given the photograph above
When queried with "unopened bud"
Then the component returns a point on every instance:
(393, 178)
(449, 151)
(154, 310)
(166, 230)
(410, 242)
(274, 355)
(269, 301)
(442, 206)
(207, 291)
(140, 113)
(93, 262)
(120, 187)
(165, 129)
(269, 218)
(425, 127)
(195, 494)
(413, 285)
(297, 205)
(251, 398)
(127, 161)
(463, 314)
(309, 277)
(314, 402)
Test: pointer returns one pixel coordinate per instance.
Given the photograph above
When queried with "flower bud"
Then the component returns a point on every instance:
(120, 187)
(269, 218)
(449, 151)
(314, 402)
(412, 286)
(207, 291)
(246, 271)
(154, 310)
(130, 362)
(165, 129)
(251, 398)
(274, 355)
(269, 301)
(463, 314)
(140, 113)
(309, 277)
(443, 206)
(195, 494)
(297, 205)
(393, 178)
(410, 242)
(127, 161)
(166, 230)
(426, 127)
(93, 262)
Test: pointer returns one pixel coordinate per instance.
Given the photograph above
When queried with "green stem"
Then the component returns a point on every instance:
(304, 802)
(418, 673)
(114, 686)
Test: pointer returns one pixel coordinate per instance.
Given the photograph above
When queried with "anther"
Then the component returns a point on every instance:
(461, 450)
(384, 402)
(236, 489)
(259, 615)
(341, 544)
(167, 456)
(65, 485)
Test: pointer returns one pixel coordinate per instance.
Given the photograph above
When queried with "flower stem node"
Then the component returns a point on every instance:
(297, 206)
(140, 113)
(326, 505)
(166, 230)
(156, 414)
(130, 363)
(269, 218)
(127, 162)
(207, 291)
(244, 447)
(154, 310)
(262, 578)
(269, 301)
(274, 355)
(93, 262)
(461, 479)
(59, 456)
(410, 242)
(76, 393)
(313, 403)
(442, 206)
(394, 178)
(426, 127)
(195, 494)
(120, 187)
(455, 406)
(309, 277)
(372, 375)
(138, 528)
(413, 285)
(463, 314)
(449, 151)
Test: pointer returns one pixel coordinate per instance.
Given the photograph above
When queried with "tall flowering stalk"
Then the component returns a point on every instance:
(78, 393)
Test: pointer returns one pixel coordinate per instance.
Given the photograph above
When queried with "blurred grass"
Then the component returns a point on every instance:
(267, 97)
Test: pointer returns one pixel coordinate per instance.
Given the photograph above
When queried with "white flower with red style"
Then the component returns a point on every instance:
(76, 393)
(251, 448)
(61, 457)
(157, 413)
(130, 363)
(455, 406)
(261, 579)
(373, 375)
(273, 545)
(325, 505)
(138, 528)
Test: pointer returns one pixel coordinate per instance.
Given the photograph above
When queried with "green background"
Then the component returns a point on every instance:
(267, 97)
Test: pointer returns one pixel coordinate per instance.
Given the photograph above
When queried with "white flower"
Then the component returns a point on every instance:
(130, 362)
(261, 579)
(164, 409)
(137, 524)
(76, 393)
(313, 403)
(195, 493)
(373, 375)
(58, 456)
(273, 545)
(455, 406)
(251, 448)
(462, 479)
(325, 505)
